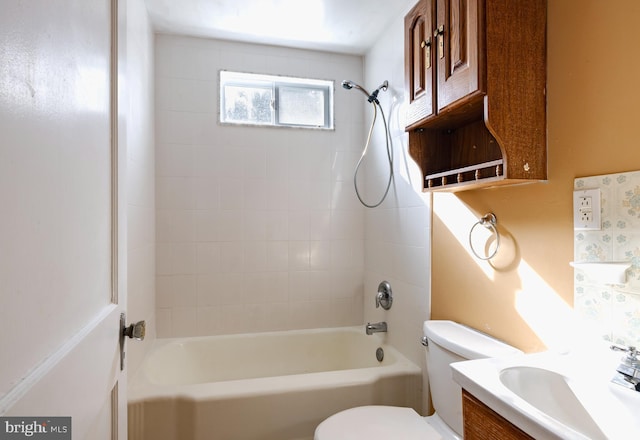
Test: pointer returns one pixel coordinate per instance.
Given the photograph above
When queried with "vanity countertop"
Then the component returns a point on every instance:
(556, 396)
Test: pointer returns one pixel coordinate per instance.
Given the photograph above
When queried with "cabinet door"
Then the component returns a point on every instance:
(419, 61)
(459, 47)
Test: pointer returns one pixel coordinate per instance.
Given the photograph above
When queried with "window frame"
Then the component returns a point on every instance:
(275, 83)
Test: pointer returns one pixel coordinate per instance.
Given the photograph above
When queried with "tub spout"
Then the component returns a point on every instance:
(376, 328)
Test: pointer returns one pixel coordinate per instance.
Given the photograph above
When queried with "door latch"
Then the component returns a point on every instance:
(134, 331)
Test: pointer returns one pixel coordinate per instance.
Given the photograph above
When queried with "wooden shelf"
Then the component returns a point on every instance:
(466, 175)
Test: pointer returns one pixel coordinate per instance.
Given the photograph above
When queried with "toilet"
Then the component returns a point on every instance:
(448, 342)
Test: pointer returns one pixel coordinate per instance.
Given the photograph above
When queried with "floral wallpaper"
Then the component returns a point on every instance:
(615, 308)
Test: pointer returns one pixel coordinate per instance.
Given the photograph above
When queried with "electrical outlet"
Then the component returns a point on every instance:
(586, 216)
(584, 202)
(586, 210)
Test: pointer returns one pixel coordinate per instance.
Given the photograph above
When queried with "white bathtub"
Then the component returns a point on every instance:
(267, 386)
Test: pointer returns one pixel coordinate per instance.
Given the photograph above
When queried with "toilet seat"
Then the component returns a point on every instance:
(376, 422)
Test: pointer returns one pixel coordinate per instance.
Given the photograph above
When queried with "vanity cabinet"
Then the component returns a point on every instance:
(475, 78)
(482, 423)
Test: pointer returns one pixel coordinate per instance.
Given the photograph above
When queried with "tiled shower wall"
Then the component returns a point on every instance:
(257, 229)
(140, 180)
(615, 309)
(398, 233)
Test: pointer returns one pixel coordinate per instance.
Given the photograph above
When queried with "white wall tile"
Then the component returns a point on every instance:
(320, 255)
(185, 321)
(251, 213)
(174, 225)
(277, 256)
(208, 192)
(164, 323)
(230, 225)
(255, 256)
(208, 257)
(232, 193)
(208, 161)
(174, 160)
(219, 289)
(231, 162)
(299, 255)
(347, 225)
(175, 192)
(231, 257)
(277, 162)
(276, 224)
(207, 225)
(320, 224)
(256, 194)
(299, 224)
(208, 320)
(266, 287)
(310, 314)
(299, 194)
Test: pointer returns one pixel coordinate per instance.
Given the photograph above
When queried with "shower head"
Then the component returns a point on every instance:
(350, 85)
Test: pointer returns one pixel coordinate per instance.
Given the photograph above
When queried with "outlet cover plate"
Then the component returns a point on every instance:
(586, 210)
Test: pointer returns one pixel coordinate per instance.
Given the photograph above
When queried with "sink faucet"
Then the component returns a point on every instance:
(376, 328)
(628, 372)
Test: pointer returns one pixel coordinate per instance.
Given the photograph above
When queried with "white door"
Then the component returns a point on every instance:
(60, 251)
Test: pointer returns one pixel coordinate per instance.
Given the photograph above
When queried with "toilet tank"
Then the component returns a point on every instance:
(450, 342)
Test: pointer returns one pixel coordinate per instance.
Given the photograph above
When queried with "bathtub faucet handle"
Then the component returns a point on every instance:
(384, 297)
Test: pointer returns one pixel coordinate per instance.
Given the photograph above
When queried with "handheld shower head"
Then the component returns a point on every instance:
(350, 85)
(347, 84)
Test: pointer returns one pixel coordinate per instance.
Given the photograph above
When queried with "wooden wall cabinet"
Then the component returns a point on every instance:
(475, 76)
(482, 423)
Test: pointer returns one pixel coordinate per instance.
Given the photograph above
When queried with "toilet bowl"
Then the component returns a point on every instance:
(383, 422)
(448, 342)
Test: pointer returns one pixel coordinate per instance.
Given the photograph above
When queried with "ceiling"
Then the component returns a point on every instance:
(346, 26)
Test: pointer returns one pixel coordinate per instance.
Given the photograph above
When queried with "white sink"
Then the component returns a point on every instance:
(555, 396)
(552, 394)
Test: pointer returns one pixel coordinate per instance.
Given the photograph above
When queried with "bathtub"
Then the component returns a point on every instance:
(266, 386)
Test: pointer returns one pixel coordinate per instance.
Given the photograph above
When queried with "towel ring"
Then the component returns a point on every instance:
(488, 221)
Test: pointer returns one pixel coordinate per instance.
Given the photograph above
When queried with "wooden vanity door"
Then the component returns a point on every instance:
(420, 61)
(459, 46)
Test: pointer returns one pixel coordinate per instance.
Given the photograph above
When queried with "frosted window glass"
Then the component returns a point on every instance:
(255, 99)
(248, 104)
(301, 106)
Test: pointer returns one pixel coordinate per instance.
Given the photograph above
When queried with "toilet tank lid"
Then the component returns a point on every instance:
(465, 341)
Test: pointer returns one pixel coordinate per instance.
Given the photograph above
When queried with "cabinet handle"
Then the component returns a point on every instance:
(439, 34)
(426, 44)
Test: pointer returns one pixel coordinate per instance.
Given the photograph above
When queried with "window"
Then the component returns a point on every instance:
(281, 101)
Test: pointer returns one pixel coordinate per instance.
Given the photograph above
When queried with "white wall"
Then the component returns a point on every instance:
(397, 245)
(140, 176)
(258, 229)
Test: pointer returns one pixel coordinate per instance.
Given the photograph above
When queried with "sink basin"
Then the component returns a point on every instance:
(552, 394)
(555, 396)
